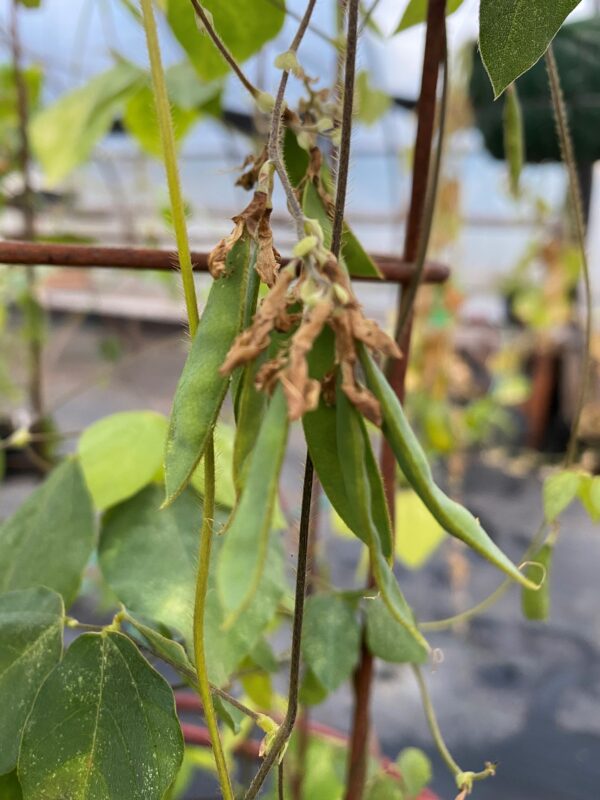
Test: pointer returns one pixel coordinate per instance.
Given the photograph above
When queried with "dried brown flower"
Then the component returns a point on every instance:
(272, 314)
(255, 219)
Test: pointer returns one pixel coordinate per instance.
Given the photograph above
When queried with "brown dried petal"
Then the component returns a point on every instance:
(369, 332)
(359, 396)
(217, 258)
(268, 259)
(255, 339)
(253, 213)
(268, 375)
(301, 391)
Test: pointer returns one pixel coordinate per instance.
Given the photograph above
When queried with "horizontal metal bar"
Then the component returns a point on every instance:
(393, 269)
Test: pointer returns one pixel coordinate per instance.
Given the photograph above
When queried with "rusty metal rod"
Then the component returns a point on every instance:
(76, 255)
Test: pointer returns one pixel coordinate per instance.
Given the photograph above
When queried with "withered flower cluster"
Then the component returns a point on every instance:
(315, 283)
(255, 220)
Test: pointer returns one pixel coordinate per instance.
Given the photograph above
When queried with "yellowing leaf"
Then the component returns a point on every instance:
(418, 534)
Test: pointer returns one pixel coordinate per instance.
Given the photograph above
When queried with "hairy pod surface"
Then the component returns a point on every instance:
(201, 388)
(454, 518)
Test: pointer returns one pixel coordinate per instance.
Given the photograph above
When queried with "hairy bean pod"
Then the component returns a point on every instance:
(251, 521)
(201, 389)
(514, 144)
(454, 518)
(352, 447)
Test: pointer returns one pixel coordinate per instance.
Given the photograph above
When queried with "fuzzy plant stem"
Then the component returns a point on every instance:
(282, 737)
(204, 688)
(222, 48)
(170, 157)
(561, 119)
(274, 145)
(165, 124)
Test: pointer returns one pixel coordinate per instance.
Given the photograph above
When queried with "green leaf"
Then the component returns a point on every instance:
(30, 3)
(416, 12)
(536, 603)
(170, 651)
(10, 788)
(121, 454)
(148, 558)
(141, 122)
(370, 104)
(312, 691)
(330, 639)
(245, 546)
(230, 715)
(103, 726)
(413, 515)
(515, 34)
(201, 389)
(244, 26)
(589, 494)
(31, 626)
(358, 262)
(383, 787)
(49, 539)
(559, 492)
(64, 134)
(416, 771)
(389, 640)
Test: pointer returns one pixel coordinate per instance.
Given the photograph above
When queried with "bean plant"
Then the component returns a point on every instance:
(189, 537)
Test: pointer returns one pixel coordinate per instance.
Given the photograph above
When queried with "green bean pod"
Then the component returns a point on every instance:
(201, 389)
(352, 447)
(536, 604)
(248, 532)
(320, 431)
(514, 144)
(454, 518)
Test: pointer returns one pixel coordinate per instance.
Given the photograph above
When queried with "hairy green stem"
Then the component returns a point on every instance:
(177, 207)
(433, 723)
(274, 144)
(346, 129)
(223, 50)
(165, 124)
(204, 688)
(286, 728)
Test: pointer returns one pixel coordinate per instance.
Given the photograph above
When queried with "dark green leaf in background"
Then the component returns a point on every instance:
(149, 557)
(31, 627)
(389, 640)
(49, 539)
(330, 639)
